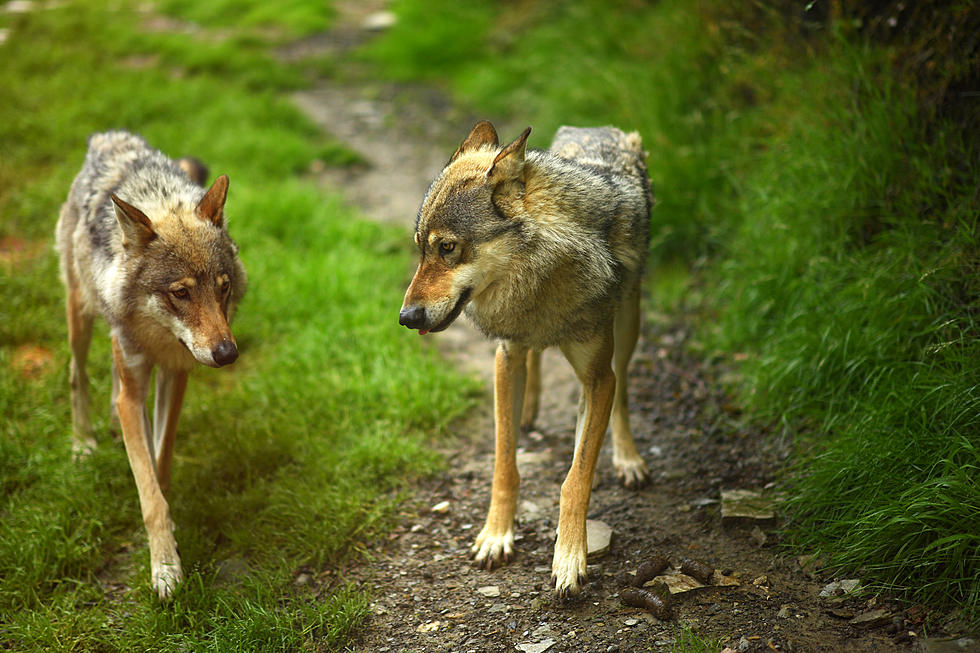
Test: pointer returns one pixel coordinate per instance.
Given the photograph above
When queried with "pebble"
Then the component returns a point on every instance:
(840, 587)
(745, 505)
(539, 647)
(784, 612)
(442, 506)
(599, 535)
(631, 622)
(872, 619)
(489, 591)
(378, 21)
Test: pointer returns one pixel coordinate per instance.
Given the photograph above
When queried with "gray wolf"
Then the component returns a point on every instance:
(142, 244)
(540, 249)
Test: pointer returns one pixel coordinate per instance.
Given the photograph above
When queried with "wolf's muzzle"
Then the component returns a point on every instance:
(412, 317)
(225, 353)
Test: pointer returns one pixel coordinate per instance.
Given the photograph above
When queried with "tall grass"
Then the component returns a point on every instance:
(828, 224)
(292, 459)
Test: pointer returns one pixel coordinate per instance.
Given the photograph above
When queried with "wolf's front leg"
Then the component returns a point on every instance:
(134, 381)
(495, 543)
(591, 363)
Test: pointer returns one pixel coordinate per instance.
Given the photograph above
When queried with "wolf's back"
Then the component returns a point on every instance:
(605, 148)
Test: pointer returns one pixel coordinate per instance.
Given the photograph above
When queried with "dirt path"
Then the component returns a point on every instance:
(428, 595)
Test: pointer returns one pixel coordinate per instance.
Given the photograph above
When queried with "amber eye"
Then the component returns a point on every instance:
(180, 293)
(446, 246)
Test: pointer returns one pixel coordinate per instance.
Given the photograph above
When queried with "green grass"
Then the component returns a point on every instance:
(295, 457)
(823, 216)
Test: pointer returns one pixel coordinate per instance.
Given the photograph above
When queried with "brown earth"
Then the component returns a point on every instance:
(428, 595)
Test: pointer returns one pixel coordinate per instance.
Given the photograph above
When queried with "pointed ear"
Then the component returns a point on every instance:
(136, 227)
(509, 164)
(482, 134)
(212, 205)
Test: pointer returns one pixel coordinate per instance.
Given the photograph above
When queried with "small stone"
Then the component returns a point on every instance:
(442, 506)
(378, 21)
(19, 7)
(631, 622)
(529, 510)
(539, 647)
(743, 644)
(534, 457)
(737, 505)
(301, 579)
(489, 591)
(784, 612)
(839, 588)
(872, 619)
(429, 627)
(599, 536)
(761, 581)
(497, 607)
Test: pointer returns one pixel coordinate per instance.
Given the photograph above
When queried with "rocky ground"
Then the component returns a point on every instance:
(428, 595)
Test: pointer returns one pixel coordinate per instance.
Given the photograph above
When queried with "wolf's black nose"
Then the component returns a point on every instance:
(225, 353)
(412, 317)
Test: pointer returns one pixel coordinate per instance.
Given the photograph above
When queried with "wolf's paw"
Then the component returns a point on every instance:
(166, 577)
(631, 472)
(493, 549)
(568, 571)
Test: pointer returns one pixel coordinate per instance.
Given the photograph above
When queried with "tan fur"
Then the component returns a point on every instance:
(542, 249)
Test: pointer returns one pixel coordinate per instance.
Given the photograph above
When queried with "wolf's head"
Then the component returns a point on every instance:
(187, 277)
(462, 226)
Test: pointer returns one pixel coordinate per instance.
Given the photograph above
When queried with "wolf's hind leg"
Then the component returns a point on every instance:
(532, 389)
(79, 339)
(630, 468)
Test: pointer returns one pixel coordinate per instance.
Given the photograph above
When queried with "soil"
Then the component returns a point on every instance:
(428, 594)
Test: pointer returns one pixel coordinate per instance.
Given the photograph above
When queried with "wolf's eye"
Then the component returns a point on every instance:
(446, 246)
(180, 293)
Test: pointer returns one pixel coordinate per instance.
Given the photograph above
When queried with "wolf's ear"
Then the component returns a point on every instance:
(136, 227)
(509, 164)
(212, 205)
(482, 134)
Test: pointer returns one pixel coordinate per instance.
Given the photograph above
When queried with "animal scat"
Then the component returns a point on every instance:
(650, 569)
(637, 597)
(698, 570)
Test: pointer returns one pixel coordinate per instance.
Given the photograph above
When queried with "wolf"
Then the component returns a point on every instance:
(142, 244)
(541, 249)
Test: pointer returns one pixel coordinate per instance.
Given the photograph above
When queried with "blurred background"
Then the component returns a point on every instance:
(817, 174)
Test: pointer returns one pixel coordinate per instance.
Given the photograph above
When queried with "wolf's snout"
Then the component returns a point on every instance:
(412, 317)
(225, 353)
